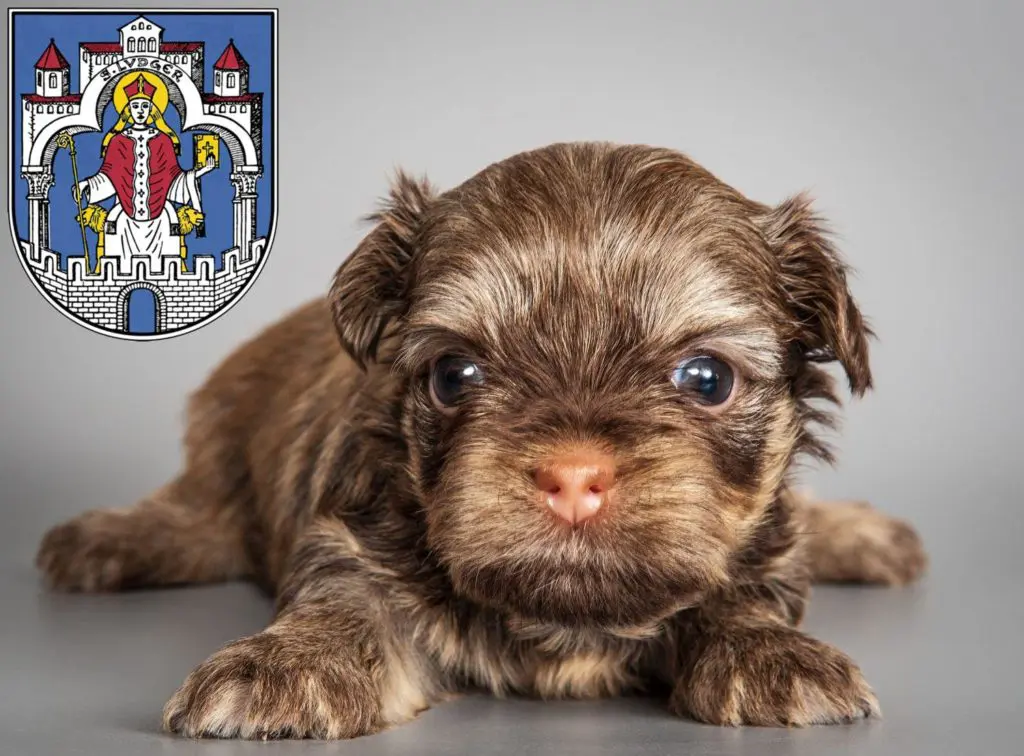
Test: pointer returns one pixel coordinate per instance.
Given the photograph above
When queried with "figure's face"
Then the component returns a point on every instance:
(140, 109)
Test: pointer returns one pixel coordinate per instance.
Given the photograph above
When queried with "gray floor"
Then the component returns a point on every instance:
(89, 674)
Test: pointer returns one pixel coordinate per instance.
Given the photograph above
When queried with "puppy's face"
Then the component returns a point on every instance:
(603, 351)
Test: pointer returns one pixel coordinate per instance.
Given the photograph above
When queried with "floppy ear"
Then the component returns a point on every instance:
(829, 325)
(369, 289)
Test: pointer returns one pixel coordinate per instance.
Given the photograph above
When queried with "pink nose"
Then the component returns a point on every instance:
(575, 485)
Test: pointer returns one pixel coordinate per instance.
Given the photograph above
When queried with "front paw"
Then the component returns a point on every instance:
(272, 686)
(772, 676)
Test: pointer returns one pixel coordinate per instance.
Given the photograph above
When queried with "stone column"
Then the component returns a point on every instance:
(244, 212)
(40, 180)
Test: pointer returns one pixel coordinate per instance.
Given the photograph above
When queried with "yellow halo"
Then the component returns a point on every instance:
(159, 96)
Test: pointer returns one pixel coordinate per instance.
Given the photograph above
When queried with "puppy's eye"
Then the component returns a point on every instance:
(708, 379)
(449, 378)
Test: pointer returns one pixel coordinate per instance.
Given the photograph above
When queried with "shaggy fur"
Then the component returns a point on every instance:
(405, 546)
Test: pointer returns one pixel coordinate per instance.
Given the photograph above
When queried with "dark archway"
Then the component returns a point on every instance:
(152, 308)
(142, 311)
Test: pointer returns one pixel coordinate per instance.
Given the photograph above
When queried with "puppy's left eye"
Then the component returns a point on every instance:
(450, 376)
(709, 379)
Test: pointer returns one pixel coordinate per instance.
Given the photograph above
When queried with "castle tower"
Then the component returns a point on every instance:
(232, 99)
(230, 73)
(53, 74)
(51, 100)
(141, 36)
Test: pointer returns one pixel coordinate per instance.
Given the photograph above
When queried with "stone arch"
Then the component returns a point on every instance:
(122, 305)
(183, 94)
(187, 99)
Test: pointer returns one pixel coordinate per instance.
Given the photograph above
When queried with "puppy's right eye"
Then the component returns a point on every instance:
(450, 377)
(709, 380)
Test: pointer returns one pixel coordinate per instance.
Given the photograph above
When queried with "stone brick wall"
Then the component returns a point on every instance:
(182, 298)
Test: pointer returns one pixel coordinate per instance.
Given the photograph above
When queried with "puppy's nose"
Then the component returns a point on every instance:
(575, 484)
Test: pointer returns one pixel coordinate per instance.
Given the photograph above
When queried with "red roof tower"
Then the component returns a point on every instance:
(231, 59)
(51, 59)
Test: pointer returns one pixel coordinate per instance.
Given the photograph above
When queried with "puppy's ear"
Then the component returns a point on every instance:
(370, 288)
(829, 325)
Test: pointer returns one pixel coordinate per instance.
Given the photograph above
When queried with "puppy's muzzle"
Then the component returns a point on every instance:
(575, 484)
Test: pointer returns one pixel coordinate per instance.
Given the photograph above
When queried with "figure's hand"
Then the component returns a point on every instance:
(206, 167)
(78, 191)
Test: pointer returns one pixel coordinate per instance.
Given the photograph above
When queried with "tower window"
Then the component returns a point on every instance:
(53, 80)
(231, 80)
(218, 78)
(39, 78)
(131, 44)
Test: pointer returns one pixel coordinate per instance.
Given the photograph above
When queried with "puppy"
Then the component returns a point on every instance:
(538, 439)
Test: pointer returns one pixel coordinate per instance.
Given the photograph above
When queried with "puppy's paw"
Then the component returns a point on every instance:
(88, 553)
(772, 676)
(265, 687)
(853, 542)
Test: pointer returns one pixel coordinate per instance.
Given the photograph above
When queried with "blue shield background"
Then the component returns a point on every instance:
(253, 35)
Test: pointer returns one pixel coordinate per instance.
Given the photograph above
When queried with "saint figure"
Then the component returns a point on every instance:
(140, 167)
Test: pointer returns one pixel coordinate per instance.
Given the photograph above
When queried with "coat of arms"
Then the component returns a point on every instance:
(142, 156)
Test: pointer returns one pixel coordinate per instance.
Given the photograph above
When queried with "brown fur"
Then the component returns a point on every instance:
(406, 551)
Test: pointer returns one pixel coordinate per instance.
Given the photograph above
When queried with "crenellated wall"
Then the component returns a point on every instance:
(183, 297)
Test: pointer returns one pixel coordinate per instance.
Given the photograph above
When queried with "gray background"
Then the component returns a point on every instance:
(904, 119)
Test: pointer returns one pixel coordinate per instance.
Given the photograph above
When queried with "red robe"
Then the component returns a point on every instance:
(119, 167)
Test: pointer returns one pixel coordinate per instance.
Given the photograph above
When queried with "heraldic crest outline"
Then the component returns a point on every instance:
(143, 204)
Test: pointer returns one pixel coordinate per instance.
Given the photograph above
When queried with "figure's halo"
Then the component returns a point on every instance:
(159, 97)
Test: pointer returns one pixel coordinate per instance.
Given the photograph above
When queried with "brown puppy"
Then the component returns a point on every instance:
(549, 455)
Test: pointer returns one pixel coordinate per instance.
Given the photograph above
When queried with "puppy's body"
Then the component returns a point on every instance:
(403, 537)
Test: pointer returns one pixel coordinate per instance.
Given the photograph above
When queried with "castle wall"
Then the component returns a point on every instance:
(184, 298)
(48, 272)
(235, 275)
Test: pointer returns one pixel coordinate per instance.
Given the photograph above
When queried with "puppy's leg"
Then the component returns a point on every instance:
(853, 542)
(745, 666)
(337, 662)
(178, 534)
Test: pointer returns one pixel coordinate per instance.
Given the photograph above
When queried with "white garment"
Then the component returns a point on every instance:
(142, 235)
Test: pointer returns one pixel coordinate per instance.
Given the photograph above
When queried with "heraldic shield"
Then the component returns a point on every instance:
(142, 156)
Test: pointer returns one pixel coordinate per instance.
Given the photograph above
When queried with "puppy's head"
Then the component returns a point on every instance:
(606, 358)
